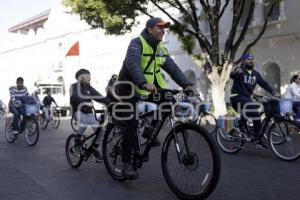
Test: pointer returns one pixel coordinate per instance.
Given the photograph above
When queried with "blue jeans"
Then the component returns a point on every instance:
(296, 109)
(86, 120)
(239, 101)
(17, 111)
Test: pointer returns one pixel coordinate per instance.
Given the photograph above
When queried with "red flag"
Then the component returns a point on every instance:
(74, 50)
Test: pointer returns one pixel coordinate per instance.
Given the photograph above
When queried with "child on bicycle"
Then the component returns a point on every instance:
(82, 95)
(47, 102)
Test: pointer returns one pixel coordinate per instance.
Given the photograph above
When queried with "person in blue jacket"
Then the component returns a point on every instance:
(245, 78)
(145, 59)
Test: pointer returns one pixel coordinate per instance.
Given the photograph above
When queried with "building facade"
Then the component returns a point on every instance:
(36, 48)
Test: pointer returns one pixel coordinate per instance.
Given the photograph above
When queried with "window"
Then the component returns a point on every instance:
(275, 15)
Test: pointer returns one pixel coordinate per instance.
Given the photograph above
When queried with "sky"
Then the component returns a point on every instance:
(13, 12)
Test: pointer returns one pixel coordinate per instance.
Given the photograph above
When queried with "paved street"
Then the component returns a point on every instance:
(42, 173)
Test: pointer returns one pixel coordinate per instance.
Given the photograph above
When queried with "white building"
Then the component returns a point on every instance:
(38, 50)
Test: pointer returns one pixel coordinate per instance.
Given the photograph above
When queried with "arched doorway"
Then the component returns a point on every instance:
(271, 73)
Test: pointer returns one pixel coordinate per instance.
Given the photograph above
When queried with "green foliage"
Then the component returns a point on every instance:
(115, 16)
(118, 17)
(198, 57)
(187, 43)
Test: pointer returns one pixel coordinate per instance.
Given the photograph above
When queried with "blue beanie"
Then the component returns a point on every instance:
(247, 56)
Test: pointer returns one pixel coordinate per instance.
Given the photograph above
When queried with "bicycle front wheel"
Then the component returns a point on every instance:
(229, 142)
(284, 140)
(32, 131)
(43, 121)
(112, 151)
(190, 162)
(55, 121)
(208, 121)
(73, 151)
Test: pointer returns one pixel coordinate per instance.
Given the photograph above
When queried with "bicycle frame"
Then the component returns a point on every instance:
(23, 123)
(142, 156)
(137, 149)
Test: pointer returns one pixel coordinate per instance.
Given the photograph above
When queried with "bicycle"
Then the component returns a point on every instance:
(79, 149)
(2, 110)
(204, 118)
(179, 150)
(54, 120)
(28, 125)
(277, 129)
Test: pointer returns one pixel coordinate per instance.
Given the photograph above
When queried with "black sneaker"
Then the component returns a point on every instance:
(15, 132)
(128, 172)
(97, 155)
(77, 145)
(260, 144)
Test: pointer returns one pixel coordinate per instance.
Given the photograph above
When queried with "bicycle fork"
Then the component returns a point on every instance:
(177, 146)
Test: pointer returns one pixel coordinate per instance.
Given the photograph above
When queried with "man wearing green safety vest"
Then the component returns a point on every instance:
(145, 58)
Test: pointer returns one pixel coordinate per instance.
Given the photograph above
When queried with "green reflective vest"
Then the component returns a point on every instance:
(151, 65)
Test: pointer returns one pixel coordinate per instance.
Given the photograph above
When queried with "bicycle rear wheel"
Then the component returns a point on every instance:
(9, 136)
(32, 131)
(73, 152)
(190, 162)
(228, 142)
(208, 121)
(284, 140)
(74, 124)
(112, 151)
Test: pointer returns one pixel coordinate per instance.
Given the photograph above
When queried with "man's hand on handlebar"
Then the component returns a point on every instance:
(150, 87)
(275, 94)
(191, 90)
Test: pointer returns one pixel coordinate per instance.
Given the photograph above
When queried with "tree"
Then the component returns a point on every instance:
(118, 16)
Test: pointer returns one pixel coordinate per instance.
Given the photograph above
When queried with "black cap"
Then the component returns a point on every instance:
(80, 72)
(156, 21)
(20, 79)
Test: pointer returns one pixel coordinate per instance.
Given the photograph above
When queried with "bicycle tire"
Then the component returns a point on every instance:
(43, 121)
(9, 136)
(208, 121)
(74, 124)
(112, 138)
(55, 122)
(284, 140)
(227, 143)
(190, 160)
(29, 131)
(69, 148)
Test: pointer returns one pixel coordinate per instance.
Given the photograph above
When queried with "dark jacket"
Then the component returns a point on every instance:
(244, 83)
(47, 101)
(80, 93)
(131, 69)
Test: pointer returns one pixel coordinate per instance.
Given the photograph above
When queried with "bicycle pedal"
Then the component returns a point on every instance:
(248, 139)
(85, 158)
